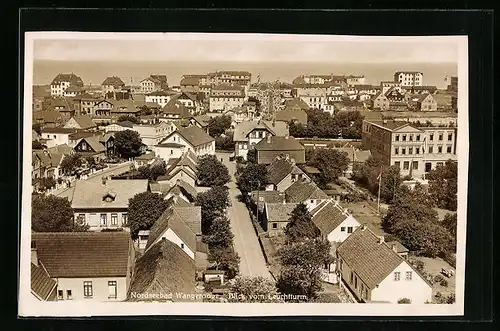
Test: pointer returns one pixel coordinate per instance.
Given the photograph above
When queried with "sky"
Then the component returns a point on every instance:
(244, 48)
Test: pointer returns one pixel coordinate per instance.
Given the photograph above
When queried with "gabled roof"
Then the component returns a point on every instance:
(190, 81)
(60, 149)
(186, 188)
(84, 121)
(172, 219)
(296, 102)
(47, 116)
(80, 254)
(299, 80)
(94, 143)
(268, 196)
(58, 129)
(126, 124)
(370, 259)
(301, 191)
(88, 194)
(203, 120)
(328, 215)
(114, 81)
(193, 135)
(278, 170)
(164, 268)
(124, 106)
(175, 107)
(190, 214)
(279, 212)
(84, 96)
(298, 115)
(275, 143)
(242, 130)
(41, 283)
(44, 157)
(398, 246)
(178, 163)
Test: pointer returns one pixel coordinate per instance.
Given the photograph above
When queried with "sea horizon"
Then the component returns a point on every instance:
(93, 72)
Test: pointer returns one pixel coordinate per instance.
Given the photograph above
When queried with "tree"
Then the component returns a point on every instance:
(143, 211)
(252, 177)
(390, 183)
(450, 223)
(53, 214)
(225, 259)
(225, 142)
(404, 301)
(220, 235)
(128, 143)
(301, 225)
(413, 221)
(297, 130)
(70, 163)
(443, 185)
(218, 125)
(90, 161)
(35, 144)
(37, 127)
(144, 171)
(214, 203)
(349, 123)
(211, 171)
(157, 169)
(331, 164)
(254, 289)
(128, 118)
(301, 267)
(252, 155)
(47, 183)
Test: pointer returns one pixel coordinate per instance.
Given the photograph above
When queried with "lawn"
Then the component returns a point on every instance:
(433, 267)
(366, 215)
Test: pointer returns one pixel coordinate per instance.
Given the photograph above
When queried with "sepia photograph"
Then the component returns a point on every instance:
(243, 174)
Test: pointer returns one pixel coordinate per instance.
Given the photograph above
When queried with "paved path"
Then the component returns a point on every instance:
(246, 243)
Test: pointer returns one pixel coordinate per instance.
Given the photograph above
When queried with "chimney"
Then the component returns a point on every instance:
(384, 121)
(394, 248)
(104, 180)
(34, 254)
(380, 239)
(363, 227)
(292, 160)
(268, 139)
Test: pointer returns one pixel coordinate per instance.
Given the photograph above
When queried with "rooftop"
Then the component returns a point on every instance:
(279, 212)
(275, 143)
(303, 190)
(328, 215)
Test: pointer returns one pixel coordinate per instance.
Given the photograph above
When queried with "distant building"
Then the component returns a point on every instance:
(277, 216)
(63, 81)
(249, 133)
(56, 136)
(112, 84)
(307, 192)
(86, 266)
(416, 150)
(224, 97)
(409, 78)
(160, 97)
(152, 134)
(184, 139)
(282, 173)
(272, 146)
(81, 122)
(154, 83)
(374, 272)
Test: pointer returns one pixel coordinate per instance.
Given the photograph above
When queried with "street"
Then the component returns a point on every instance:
(246, 243)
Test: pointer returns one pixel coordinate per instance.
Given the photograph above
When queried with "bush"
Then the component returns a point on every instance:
(438, 279)
(404, 300)
(419, 265)
(444, 283)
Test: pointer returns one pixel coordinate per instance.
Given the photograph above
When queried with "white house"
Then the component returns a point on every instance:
(374, 272)
(282, 173)
(171, 226)
(56, 136)
(152, 134)
(249, 133)
(62, 81)
(334, 222)
(90, 266)
(190, 138)
(160, 97)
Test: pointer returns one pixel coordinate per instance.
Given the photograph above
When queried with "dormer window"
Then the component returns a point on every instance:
(109, 197)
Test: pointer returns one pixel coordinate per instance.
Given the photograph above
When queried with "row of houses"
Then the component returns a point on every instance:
(371, 269)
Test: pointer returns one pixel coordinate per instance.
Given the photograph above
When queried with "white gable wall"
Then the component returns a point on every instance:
(390, 290)
(339, 236)
(173, 237)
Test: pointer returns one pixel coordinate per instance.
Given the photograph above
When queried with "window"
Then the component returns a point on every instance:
(124, 218)
(69, 296)
(431, 136)
(349, 229)
(182, 245)
(417, 150)
(431, 150)
(397, 276)
(409, 275)
(396, 150)
(114, 219)
(352, 277)
(417, 137)
(411, 137)
(397, 137)
(406, 165)
(275, 225)
(81, 218)
(440, 136)
(410, 150)
(404, 137)
(104, 219)
(171, 151)
(342, 229)
(415, 165)
(87, 289)
(439, 164)
(112, 289)
(397, 164)
(403, 151)
(440, 149)
(448, 149)
(450, 136)
(355, 282)
(60, 295)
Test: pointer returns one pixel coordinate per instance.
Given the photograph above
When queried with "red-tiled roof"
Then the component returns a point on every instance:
(81, 254)
(113, 81)
(41, 283)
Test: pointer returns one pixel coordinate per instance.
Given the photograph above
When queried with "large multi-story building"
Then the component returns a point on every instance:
(415, 150)
(154, 83)
(409, 78)
(112, 84)
(62, 81)
(225, 97)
